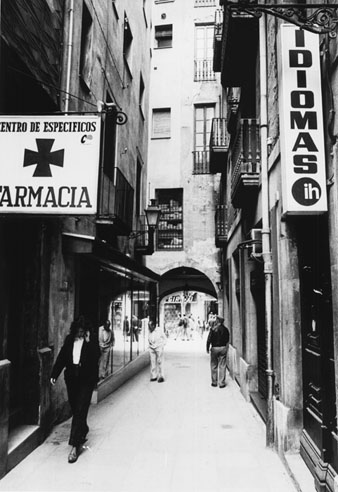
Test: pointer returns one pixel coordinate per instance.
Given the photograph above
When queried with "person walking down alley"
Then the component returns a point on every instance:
(157, 341)
(218, 344)
(79, 356)
(106, 342)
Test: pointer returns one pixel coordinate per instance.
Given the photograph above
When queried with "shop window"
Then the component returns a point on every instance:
(128, 311)
(170, 231)
(161, 123)
(164, 36)
(86, 54)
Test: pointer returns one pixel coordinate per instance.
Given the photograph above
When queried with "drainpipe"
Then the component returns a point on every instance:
(69, 53)
(266, 239)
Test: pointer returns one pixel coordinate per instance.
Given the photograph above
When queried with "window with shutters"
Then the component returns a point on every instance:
(161, 123)
(204, 52)
(86, 54)
(203, 120)
(164, 36)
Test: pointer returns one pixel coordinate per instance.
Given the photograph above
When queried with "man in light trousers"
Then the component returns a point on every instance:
(157, 340)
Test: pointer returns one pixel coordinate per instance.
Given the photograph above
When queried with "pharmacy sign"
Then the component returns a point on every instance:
(49, 164)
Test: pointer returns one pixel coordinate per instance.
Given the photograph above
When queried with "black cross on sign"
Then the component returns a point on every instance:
(43, 158)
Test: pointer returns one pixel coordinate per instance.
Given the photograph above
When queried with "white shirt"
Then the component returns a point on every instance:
(156, 338)
(78, 342)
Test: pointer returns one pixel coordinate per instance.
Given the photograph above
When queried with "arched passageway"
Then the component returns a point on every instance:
(186, 292)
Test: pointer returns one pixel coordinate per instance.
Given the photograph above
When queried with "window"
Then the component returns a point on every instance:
(170, 230)
(202, 130)
(141, 96)
(164, 36)
(161, 123)
(127, 42)
(204, 39)
(86, 54)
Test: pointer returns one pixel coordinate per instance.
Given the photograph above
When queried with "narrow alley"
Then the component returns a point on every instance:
(180, 436)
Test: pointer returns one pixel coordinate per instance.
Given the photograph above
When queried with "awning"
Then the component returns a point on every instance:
(107, 257)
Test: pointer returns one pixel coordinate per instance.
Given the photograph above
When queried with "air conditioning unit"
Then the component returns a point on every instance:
(256, 246)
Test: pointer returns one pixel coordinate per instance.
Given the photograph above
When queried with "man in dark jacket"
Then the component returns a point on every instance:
(218, 340)
(79, 356)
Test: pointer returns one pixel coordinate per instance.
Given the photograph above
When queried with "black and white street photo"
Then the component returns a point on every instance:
(168, 246)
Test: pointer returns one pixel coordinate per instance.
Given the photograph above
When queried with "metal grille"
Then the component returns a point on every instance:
(205, 3)
(201, 162)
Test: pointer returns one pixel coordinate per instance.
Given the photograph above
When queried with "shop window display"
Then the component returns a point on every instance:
(128, 314)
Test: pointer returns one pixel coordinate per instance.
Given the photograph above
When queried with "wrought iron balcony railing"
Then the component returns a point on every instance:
(205, 3)
(204, 70)
(115, 202)
(245, 163)
(201, 162)
(219, 145)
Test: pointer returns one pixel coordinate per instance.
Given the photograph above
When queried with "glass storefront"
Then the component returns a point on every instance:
(129, 302)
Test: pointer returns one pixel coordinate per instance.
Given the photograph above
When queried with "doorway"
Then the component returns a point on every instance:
(319, 395)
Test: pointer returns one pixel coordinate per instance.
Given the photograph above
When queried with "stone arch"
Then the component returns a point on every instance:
(185, 278)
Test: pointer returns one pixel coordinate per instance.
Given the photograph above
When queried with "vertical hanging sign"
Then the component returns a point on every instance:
(301, 123)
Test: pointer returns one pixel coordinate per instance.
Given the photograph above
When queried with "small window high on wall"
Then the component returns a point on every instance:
(170, 230)
(164, 36)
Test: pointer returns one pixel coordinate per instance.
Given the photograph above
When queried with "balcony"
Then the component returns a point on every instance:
(115, 202)
(245, 164)
(221, 223)
(201, 162)
(204, 70)
(218, 40)
(219, 145)
(239, 43)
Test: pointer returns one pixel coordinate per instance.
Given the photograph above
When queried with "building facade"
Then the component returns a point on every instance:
(279, 198)
(70, 66)
(184, 97)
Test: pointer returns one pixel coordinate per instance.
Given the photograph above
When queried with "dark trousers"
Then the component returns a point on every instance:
(79, 397)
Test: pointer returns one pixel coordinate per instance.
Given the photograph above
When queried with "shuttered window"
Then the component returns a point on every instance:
(161, 123)
(164, 36)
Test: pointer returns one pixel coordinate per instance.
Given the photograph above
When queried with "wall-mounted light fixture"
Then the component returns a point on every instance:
(152, 213)
(219, 285)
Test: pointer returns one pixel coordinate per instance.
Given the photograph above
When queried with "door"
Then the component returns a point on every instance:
(317, 338)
